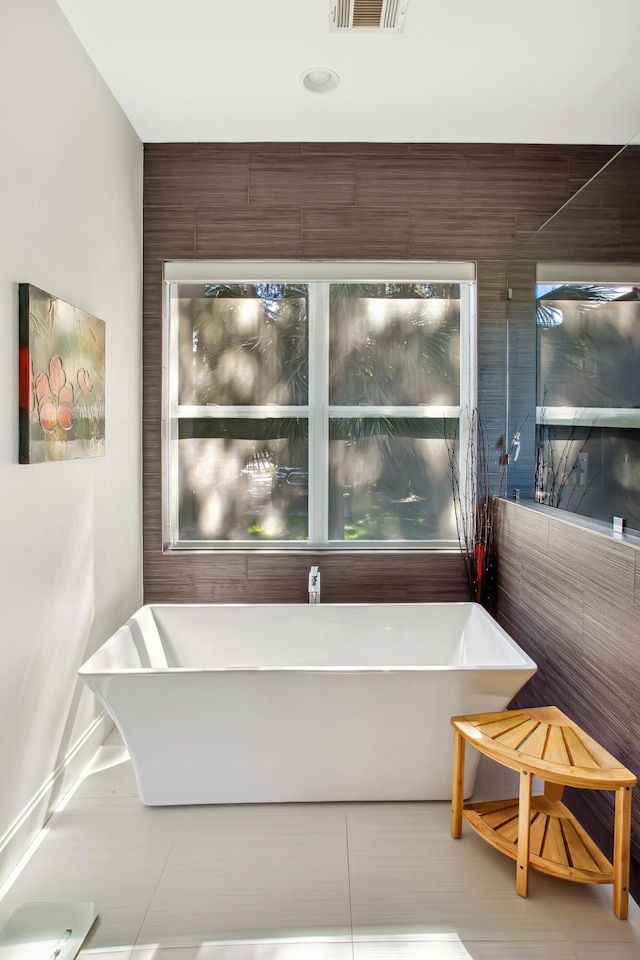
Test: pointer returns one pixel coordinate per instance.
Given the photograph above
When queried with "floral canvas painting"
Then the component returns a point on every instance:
(62, 354)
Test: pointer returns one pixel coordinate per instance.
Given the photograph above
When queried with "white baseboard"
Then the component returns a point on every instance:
(25, 828)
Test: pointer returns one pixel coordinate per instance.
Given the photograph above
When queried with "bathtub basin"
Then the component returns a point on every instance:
(292, 702)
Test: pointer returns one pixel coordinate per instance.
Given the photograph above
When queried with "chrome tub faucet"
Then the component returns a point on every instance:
(314, 585)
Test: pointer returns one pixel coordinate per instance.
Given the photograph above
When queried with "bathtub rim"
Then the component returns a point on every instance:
(86, 669)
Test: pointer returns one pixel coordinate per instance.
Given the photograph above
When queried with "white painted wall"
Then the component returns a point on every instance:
(70, 532)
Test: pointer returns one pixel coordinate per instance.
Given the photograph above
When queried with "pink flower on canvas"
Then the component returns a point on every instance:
(85, 382)
(54, 397)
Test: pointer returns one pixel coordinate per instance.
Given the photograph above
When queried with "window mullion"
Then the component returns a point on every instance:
(239, 413)
(318, 400)
(620, 417)
(423, 412)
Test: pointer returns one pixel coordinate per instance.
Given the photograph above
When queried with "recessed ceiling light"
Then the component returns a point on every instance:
(319, 80)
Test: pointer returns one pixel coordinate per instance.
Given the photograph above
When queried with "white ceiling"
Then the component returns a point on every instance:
(512, 71)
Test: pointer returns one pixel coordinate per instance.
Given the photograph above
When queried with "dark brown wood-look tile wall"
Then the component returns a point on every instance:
(566, 595)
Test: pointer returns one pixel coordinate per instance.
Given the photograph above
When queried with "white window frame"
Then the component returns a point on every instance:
(319, 275)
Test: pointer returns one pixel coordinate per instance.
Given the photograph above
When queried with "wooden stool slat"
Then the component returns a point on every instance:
(515, 738)
(537, 742)
(580, 856)
(554, 848)
(537, 832)
(579, 754)
(501, 816)
(601, 756)
(495, 728)
(556, 751)
(509, 830)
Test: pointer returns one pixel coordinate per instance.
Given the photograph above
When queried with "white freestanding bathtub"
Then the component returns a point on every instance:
(291, 702)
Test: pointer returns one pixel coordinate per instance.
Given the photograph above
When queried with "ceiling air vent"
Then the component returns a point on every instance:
(362, 15)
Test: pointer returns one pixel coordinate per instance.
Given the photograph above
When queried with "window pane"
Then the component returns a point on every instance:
(588, 346)
(394, 344)
(390, 479)
(243, 344)
(243, 479)
(592, 471)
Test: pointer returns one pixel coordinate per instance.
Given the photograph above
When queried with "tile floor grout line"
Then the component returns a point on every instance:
(346, 835)
(155, 889)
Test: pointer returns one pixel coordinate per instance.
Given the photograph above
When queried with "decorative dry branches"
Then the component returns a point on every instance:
(474, 498)
(557, 464)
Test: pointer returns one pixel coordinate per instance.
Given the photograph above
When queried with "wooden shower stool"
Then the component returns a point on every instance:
(539, 831)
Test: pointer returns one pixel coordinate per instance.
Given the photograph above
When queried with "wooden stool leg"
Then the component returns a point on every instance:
(457, 794)
(621, 852)
(553, 791)
(524, 817)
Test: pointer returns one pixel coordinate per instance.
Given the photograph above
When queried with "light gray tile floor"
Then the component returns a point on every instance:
(352, 881)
